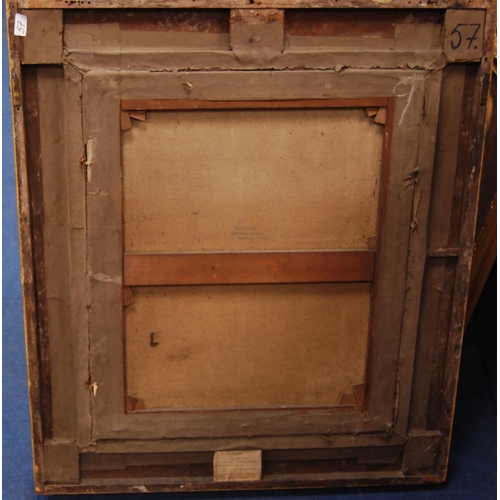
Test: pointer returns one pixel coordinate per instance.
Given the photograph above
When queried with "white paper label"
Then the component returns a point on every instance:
(20, 25)
(237, 466)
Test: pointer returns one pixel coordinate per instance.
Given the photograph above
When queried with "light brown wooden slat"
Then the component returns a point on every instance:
(240, 268)
(166, 104)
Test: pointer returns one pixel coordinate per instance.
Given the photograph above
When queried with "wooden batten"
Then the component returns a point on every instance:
(44, 45)
(33, 153)
(233, 268)
(166, 104)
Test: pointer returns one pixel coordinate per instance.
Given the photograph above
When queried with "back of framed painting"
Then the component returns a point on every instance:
(246, 234)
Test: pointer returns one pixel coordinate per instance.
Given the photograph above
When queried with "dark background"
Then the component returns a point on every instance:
(472, 471)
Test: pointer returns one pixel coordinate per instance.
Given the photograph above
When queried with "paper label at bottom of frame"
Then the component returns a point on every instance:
(237, 466)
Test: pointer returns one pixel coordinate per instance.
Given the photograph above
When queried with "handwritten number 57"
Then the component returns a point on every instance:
(456, 36)
(20, 27)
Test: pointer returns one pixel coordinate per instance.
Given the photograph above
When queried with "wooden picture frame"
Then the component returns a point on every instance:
(129, 123)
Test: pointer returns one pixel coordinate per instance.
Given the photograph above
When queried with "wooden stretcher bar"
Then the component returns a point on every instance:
(239, 268)
(164, 104)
